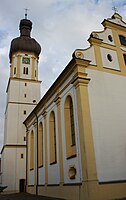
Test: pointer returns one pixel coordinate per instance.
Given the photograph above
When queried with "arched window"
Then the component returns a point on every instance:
(32, 151)
(69, 127)
(72, 122)
(25, 70)
(40, 145)
(52, 131)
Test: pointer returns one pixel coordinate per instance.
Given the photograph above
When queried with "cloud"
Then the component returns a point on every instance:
(119, 3)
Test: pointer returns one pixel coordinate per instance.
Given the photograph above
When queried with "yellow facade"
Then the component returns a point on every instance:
(70, 160)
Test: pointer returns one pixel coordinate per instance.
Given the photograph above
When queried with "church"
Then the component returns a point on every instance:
(71, 144)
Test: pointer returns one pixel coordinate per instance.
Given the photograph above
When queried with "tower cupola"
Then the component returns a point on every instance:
(25, 43)
(25, 27)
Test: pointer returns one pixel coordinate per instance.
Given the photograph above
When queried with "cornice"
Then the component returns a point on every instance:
(113, 25)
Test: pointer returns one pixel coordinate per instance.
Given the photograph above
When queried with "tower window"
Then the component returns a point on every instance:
(25, 70)
(35, 73)
(22, 155)
(24, 112)
(25, 95)
(14, 70)
(25, 84)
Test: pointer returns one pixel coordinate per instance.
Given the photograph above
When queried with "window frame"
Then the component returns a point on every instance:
(52, 134)
(70, 132)
(40, 145)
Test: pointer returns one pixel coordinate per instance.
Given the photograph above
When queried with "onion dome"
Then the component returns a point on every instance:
(25, 43)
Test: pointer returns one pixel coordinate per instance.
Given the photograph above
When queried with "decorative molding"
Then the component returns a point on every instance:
(112, 182)
(70, 184)
(57, 100)
(53, 185)
(79, 54)
(13, 146)
(72, 172)
(94, 40)
(123, 48)
(21, 103)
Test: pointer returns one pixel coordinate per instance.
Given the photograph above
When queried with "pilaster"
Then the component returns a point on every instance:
(119, 51)
(80, 82)
(33, 68)
(12, 67)
(58, 103)
(46, 150)
(18, 65)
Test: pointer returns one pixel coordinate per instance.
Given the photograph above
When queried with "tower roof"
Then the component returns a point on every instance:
(25, 43)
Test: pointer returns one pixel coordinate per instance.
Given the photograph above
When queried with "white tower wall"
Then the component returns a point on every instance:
(23, 93)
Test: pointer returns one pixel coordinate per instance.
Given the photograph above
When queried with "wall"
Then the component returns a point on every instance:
(107, 99)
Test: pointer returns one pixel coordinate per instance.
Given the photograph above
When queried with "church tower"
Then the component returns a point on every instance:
(23, 93)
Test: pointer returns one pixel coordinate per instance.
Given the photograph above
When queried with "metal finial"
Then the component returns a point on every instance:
(115, 9)
(26, 12)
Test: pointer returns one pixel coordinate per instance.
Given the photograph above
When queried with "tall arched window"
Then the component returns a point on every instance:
(52, 131)
(72, 122)
(69, 127)
(40, 145)
(32, 151)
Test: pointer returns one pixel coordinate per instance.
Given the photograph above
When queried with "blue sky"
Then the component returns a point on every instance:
(60, 26)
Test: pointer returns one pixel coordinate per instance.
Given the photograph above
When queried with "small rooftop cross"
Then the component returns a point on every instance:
(26, 12)
(115, 9)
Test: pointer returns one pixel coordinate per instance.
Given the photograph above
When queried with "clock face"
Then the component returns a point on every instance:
(25, 60)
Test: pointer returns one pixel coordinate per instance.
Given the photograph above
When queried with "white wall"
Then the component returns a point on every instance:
(104, 36)
(90, 55)
(18, 89)
(11, 172)
(107, 98)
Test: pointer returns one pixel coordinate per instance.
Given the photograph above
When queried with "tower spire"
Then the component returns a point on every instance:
(26, 13)
(115, 9)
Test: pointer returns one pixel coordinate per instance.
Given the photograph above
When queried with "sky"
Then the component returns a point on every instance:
(60, 27)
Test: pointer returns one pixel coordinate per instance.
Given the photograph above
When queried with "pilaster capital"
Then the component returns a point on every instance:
(33, 57)
(18, 55)
(44, 113)
(80, 76)
(35, 124)
(95, 41)
(27, 130)
(81, 82)
(57, 100)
